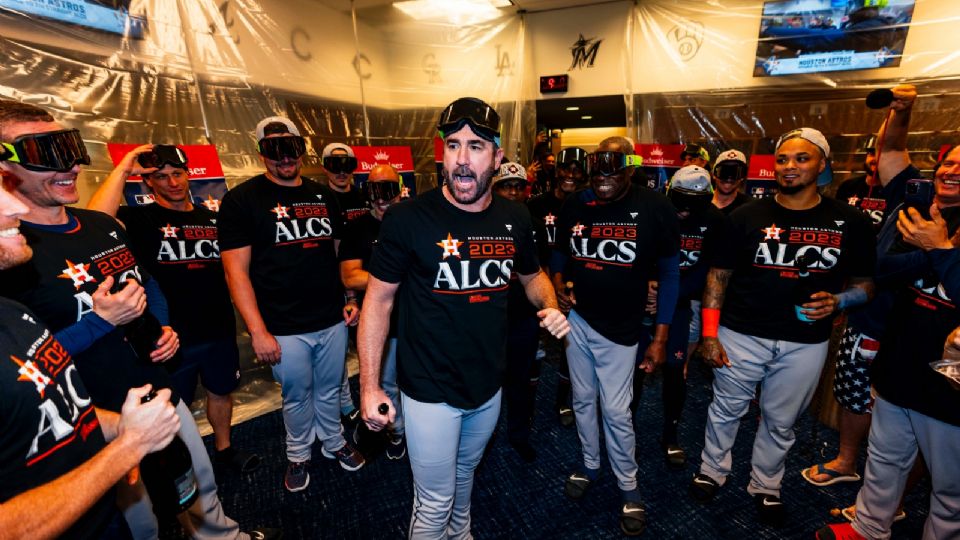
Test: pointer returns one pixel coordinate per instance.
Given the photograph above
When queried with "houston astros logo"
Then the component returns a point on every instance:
(212, 204)
(773, 232)
(852, 201)
(79, 273)
(450, 246)
(578, 230)
(29, 372)
(549, 219)
(169, 231)
(280, 211)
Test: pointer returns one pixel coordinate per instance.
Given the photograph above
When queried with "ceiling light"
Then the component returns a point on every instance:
(459, 12)
(586, 118)
(573, 108)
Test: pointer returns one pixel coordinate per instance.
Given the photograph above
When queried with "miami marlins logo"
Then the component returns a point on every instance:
(280, 211)
(79, 273)
(773, 232)
(169, 231)
(450, 246)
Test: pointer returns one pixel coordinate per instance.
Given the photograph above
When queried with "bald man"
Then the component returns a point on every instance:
(382, 189)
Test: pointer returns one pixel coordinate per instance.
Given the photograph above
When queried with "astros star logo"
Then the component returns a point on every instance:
(169, 231)
(678, 355)
(212, 204)
(28, 372)
(280, 211)
(773, 232)
(578, 229)
(450, 246)
(852, 201)
(79, 273)
(405, 193)
(550, 219)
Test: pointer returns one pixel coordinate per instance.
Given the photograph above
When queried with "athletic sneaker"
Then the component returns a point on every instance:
(348, 457)
(576, 485)
(633, 518)
(770, 509)
(703, 488)
(675, 456)
(566, 416)
(396, 447)
(839, 531)
(296, 478)
(263, 533)
(350, 424)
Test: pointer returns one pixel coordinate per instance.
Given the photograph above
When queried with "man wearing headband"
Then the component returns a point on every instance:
(780, 283)
(177, 241)
(40, 466)
(279, 234)
(571, 176)
(703, 230)
(453, 250)
(694, 154)
(609, 239)
(383, 189)
(729, 174)
(915, 407)
(80, 256)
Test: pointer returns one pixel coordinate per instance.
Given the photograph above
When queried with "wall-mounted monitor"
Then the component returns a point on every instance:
(812, 36)
(111, 16)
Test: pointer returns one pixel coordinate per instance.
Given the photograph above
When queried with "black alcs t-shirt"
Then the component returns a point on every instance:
(454, 268)
(739, 200)
(612, 249)
(293, 261)
(703, 238)
(352, 203)
(48, 426)
(868, 199)
(546, 207)
(180, 251)
(836, 241)
(360, 239)
(58, 283)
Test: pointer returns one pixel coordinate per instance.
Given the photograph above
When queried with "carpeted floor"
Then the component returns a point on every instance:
(512, 499)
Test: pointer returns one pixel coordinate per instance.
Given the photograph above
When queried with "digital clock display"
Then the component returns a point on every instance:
(554, 84)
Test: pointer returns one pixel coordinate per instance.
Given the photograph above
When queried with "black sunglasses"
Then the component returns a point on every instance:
(58, 151)
(340, 164)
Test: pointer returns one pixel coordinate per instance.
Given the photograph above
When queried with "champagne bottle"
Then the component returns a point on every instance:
(805, 287)
(168, 476)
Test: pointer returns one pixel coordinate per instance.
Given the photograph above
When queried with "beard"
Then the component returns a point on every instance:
(10, 257)
(481, 184)
(793, 189)
(280, 166)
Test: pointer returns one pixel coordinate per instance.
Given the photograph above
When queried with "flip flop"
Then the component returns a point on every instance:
(850, 513)
(836, 477)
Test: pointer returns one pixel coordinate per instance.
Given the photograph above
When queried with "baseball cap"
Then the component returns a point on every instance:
(694, 149)
(272, 125)
(810, 135)
(328, 149)
(731, 155)
(510, 171)
(691, 179)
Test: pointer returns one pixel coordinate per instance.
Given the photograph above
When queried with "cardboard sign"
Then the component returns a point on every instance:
(207, 183)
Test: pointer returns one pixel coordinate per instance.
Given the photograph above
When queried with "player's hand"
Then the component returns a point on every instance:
(370, 400)
(554, 322)
(151, 425)
(655, 355)
(129, 164)
(712, 353)
(532, 170)
(566, 300)
(926, 234)
(122, 306)
(903, 97)
(266, 347)
(167, 345)
(351, 313)
(822, 304)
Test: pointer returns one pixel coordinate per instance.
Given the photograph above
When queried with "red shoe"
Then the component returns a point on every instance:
(839, 531)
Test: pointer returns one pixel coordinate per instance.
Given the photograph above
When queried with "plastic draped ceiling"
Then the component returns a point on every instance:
(205, 71)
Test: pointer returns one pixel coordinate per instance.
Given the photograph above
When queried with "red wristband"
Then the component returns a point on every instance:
(710, 318)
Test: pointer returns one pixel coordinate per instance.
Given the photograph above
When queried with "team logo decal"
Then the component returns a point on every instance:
(578, 230)
(29, 372)
(773, 232)
(451, 246)
(281, 211)
(169, 231)
(79, 273)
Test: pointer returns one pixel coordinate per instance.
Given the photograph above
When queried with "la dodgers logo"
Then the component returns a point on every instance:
(169, 231)
(281, 212)
(773, 232)
(79, 273)
(451, 247)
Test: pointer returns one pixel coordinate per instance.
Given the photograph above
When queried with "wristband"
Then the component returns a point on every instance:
(710, 318)
(854, 296)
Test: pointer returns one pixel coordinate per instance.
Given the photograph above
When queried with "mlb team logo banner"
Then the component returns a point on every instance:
(207, 183)
(660, 161)
(761, 181)
(400, 157)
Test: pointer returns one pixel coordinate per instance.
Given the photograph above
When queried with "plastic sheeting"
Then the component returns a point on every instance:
(205, 71)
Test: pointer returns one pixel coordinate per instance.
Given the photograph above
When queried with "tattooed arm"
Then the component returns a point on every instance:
(710, 348)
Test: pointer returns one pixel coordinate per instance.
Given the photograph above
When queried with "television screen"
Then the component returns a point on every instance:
(105, 15)
(811, 36)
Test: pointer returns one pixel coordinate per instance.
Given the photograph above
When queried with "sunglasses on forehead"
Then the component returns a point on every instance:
(58, 151)
(278, 148)
(340, 164)
(611, 163)
(163, 154)
(383, 191)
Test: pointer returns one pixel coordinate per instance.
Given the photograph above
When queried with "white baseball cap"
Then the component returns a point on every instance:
(276, 124)
(810, 135)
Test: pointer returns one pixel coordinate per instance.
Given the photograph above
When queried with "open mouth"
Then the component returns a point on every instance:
(11, 232)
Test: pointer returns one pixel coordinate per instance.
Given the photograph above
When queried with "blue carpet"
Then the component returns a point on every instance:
(512, 499)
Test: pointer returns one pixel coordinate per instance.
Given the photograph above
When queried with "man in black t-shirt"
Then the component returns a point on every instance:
(77, 253)
(779, 285)
(56, 470)
(384, 187)
(278, 235)
(729, 174)
(867, 192)
(571, 176)
(177, 242)
(446, 257)
(609, 240)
